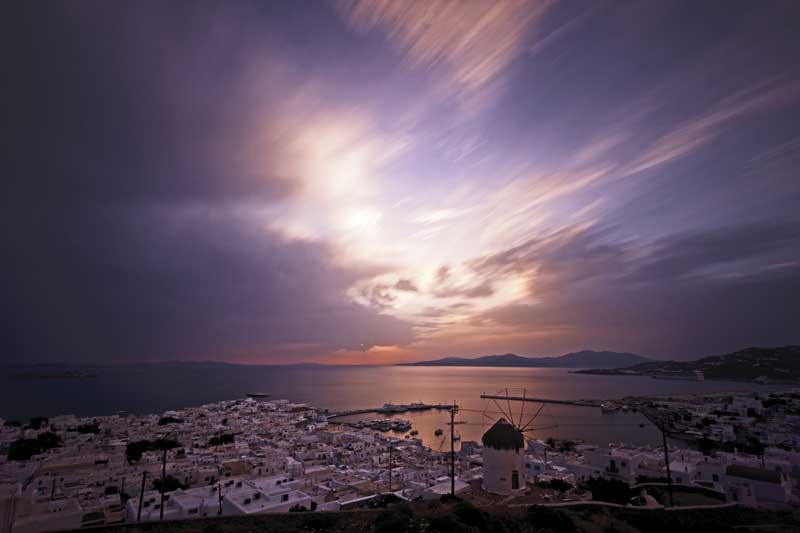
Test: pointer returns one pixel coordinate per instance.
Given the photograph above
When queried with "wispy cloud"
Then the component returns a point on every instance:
(474, 42)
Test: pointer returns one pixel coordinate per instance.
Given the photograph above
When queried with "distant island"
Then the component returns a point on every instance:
(781, 364)
(583, 359)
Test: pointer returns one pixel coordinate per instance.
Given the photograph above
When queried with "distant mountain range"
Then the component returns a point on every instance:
(584, 359)
(771, 364)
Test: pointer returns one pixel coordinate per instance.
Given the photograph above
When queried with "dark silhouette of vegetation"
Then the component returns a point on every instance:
(609, 490)
(170, 484)
(649, 479)
(37, 422)
(217, 440)
(12, 424)
(547, 518)
(707, 446)
(88, 428)
(165, 444)
(555, 484)
(772, 402)
(470, 515)
(169, 420)
(135, 450)
(24, 449)
(392, 522)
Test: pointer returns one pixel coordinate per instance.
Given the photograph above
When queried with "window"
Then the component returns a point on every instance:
(514, 479)
(715, 477)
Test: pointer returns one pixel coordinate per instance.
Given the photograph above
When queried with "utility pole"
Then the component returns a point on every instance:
(219, 488)
(453, 449)
(163, 480)
(391, 449)
(666, 463)
(141, 497)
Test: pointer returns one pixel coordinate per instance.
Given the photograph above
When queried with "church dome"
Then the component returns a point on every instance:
(503, 436)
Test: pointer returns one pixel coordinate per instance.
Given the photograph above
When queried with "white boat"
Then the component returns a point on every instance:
(608, 408)
(456, 437)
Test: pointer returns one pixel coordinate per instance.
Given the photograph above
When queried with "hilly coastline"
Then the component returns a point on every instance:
(780, 364)
(582, 359)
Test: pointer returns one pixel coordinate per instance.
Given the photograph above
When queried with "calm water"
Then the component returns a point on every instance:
(153, 389)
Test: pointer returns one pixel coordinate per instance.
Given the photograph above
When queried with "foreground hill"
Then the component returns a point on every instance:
(438, 517)
(771, 364)
(584, 359)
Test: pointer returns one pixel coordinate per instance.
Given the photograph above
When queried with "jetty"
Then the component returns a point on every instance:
(389, 409)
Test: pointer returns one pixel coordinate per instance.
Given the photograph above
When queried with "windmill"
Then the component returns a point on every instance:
(523, 422)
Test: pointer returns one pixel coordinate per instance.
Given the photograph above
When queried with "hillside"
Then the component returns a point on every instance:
(437, 517)
(774, 364)
(583, 359)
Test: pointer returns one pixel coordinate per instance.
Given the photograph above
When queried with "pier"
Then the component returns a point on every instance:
(578, 403)
(397, 409)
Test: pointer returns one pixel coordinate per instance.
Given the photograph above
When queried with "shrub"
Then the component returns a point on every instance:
(548, 518)
(221, 439)
(169, 420)
(135, 450)
(37, 422)
(555, 484)
(392, 522)
(449, 523)
(170, 484)
(609, 490)
(470, 515)
(24, 449)
(88, 428)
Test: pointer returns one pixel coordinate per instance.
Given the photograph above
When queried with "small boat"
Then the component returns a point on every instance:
(438, 431)
(414, 433)
(608, 408)
(456, 437)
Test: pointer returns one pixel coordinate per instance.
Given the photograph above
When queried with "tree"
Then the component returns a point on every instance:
(609, 490)
(135, 450)
(165, 444)
(37, 422)
(548, 518)
(24, 449)
(169, 420)
(555, 484)
(221, 439)
(170, 484)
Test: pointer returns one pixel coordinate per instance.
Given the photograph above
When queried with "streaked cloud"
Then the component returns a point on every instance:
(474, 42)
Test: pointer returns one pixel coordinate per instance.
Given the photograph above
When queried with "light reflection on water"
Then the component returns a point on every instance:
(156, 388)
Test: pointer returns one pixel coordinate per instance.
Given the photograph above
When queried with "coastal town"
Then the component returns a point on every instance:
(261, 455)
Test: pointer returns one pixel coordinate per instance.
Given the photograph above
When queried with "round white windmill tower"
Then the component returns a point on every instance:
(503, 458)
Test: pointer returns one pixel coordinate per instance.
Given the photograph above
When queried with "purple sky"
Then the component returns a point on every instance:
(372, 182)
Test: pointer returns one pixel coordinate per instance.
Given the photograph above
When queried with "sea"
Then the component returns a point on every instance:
(143, 389)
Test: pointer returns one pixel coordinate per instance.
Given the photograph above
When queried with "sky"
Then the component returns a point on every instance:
(374, 182)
